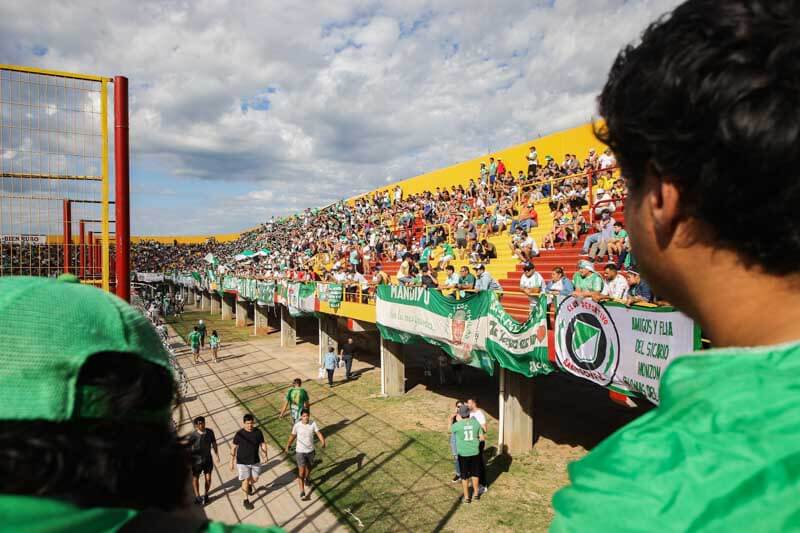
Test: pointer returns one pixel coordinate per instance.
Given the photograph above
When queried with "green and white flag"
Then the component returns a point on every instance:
(245, 254)
(624, 349)
(335, 294)
(300, 298)
(209, 258)
(266, 293)
(475, 330)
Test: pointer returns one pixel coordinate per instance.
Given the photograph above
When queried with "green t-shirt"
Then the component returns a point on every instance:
(213, 341)
(297, 398)
(592, 282)
(28, 513)
(194, 339)
(720, 453)
(467, 437)
(201, 328)
(448, 250)
(621, 234)
(426, 254)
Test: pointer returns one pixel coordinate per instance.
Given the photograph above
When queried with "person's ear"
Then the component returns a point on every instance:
(662, 200)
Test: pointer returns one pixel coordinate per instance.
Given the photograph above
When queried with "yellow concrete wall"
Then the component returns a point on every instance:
(186, 239)
(576, 140)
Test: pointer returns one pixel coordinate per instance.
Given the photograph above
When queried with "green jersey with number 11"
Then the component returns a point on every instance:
(467, 433)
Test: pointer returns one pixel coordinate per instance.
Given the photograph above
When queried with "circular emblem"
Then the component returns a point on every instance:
(587, 341)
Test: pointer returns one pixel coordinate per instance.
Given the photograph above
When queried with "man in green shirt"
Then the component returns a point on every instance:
(296, 400)
(201, 329)
(586, 281)
(466, 281)
(469, 434)
(703, 119)
(194, 343)
(446, 256)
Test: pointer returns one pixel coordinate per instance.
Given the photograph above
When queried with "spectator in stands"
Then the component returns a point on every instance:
(427, 278)
(533, 161)
(404, 272)
(484, 281)
(446, 256)
(492, 171)
(599, 248)
(466, 281)
(451, 280)
(527, 248)
(616, 286)
(531, 283)
(638, 289)
(490, 250)
(461, 239)
(379, 277)
(559, 285)
(616, 244)
(603, 202)
(586, 281)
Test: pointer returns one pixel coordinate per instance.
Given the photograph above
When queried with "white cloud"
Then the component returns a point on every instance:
(339, 95)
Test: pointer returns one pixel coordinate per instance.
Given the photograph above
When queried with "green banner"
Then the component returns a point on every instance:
(300, 298)
(335, 293)
(475, 330)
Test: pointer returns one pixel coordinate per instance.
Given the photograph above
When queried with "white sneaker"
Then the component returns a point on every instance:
(482, 489)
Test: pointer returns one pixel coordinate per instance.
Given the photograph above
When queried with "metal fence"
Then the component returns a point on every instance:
(54, 175)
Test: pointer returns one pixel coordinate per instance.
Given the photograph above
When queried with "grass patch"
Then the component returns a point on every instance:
(394, 472)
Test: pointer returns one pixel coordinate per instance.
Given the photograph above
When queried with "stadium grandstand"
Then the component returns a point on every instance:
(556, 197)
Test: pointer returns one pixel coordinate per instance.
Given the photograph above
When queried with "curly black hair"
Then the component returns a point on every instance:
(710, 100)
(111, 462)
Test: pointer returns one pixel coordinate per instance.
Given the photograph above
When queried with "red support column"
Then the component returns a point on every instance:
(122, 194)
(90, 255)
(82, 250)
(98, 257)
(67, 234)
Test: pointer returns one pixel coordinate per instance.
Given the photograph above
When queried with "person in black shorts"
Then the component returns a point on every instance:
(245, 451)
(201, 442)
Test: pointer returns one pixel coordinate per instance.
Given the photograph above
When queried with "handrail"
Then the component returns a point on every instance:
(448, 232)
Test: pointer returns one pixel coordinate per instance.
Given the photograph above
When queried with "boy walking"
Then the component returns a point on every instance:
(245, 452)
(304, 431)
(194, 342)
(469, 433)
(201, 442)
(296, 400)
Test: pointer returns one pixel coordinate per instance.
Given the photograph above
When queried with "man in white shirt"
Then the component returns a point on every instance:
(478, 414)
(531, 283)
(533, 161)
(615, 287)
(303, 431)
(606, 205)
(606, 160)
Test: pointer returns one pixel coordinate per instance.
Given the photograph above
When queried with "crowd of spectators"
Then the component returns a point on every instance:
(345, 241)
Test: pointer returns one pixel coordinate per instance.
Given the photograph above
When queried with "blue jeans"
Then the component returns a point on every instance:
(590, 240)
(454, 450)
(524, 224)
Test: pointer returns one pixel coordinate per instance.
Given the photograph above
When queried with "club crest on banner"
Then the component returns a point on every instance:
(587, 340)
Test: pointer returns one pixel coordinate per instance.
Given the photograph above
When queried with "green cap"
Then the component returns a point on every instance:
(48, 330)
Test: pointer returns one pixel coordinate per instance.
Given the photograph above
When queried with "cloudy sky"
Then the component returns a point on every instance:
(243, 110)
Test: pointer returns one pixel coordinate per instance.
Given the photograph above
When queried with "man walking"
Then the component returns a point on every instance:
(245, 455)
(330, 364)
(303, 431)
(477, 414)
(194, 343)
(296, 401)
(201, 442)
(347, 351)
(469, 434)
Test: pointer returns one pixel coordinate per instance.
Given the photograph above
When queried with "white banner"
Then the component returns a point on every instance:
(625, 349)
(150, 277)
(24, 239)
